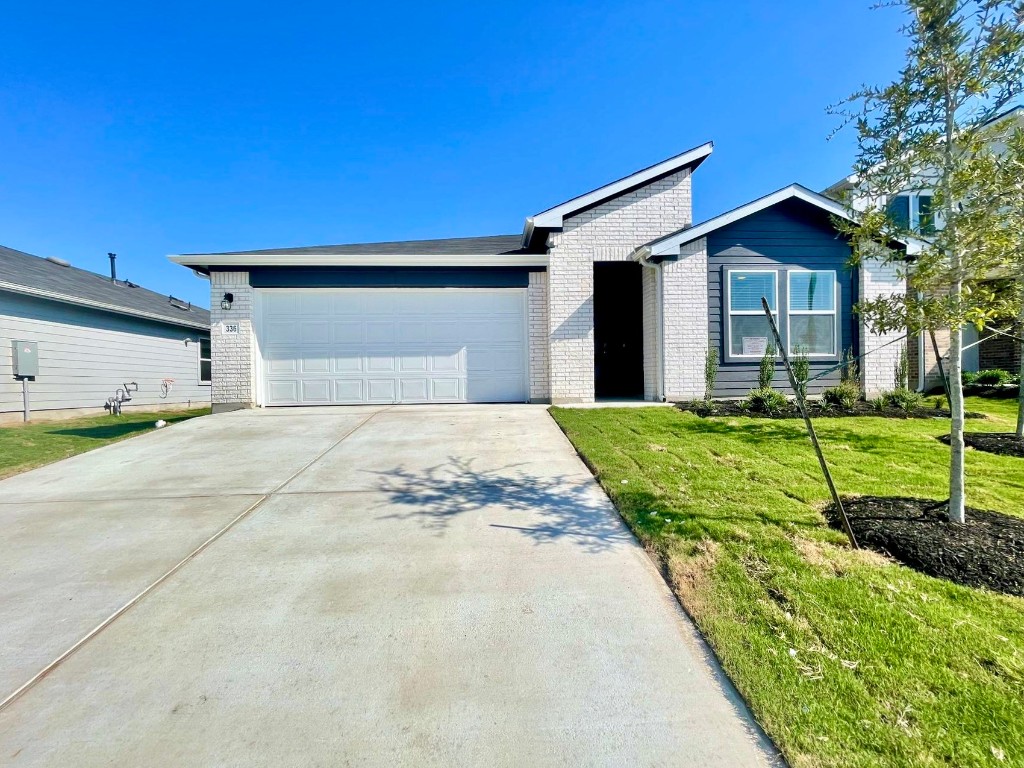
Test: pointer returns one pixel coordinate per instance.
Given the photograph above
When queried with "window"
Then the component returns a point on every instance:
(749, 331)
(811, 297)
(204, 361)
(912, 211)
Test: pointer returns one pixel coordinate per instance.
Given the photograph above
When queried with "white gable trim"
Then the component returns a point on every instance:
(553, 217)
(670, 244)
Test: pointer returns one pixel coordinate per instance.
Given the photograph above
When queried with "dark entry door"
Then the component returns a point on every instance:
(618, 330)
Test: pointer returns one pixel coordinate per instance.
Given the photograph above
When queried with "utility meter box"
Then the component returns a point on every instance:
(25, 356)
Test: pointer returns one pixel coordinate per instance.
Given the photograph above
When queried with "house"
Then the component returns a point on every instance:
(95, 335)
(911, 208)
(612, 294)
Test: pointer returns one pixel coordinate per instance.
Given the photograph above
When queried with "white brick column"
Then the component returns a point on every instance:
(537, 307)
(570, 323)
(652, 333)
(684, 297)
(233, 365)
(878, 368)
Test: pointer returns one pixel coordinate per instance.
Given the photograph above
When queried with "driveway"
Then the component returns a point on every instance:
(345, 586)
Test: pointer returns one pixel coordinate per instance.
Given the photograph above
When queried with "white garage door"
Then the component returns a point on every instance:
(421, 345)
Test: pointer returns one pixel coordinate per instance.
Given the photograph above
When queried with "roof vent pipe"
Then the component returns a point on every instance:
(113, 266)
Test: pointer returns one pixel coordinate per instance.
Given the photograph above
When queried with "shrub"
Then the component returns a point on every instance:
(903, 399)
(992, 378)
(850, 372)
(901, 379)
(878, 403)
(970, 378)
(801, 365)
(710, 371)
(766, 400)
(845, 395)
(940, 403)
(766, 373)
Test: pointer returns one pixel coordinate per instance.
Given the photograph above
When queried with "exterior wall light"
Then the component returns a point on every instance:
(225, 303)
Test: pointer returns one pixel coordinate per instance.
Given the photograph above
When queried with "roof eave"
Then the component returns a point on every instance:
(113, 308)
(203, 262)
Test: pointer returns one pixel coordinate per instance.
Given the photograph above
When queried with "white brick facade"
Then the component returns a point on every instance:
(537, 309)
(651, 279)
(233, 365)
(684, 307)
(609, 231)
(879, 366)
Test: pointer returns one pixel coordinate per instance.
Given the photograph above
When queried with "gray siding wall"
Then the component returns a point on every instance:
(85, 355)
(789, 234)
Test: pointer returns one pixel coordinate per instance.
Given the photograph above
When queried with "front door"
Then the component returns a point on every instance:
(618, 330)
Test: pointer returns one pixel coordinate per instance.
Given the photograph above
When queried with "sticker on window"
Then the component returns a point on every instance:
(755, 345)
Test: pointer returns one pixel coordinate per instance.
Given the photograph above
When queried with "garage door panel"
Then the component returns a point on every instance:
(282, 392)
(347, 332)
(379, 390)
(350, 361)
(283, 332)
(348, 391)
(387, 345)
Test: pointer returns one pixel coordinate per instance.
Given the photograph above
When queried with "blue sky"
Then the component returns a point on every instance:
(149, 129)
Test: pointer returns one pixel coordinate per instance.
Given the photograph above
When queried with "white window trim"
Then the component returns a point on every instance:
(834, 312)
(914, 210)
(746, 312)
(199, 364)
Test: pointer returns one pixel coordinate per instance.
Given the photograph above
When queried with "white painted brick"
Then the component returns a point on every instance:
(879, 366)
(685, 312)
(537, 308)
(233, 364)
(608, 232)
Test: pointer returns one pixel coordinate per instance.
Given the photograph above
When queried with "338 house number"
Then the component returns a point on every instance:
(230, 327)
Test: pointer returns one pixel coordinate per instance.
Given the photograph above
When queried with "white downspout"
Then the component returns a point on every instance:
(642, 255)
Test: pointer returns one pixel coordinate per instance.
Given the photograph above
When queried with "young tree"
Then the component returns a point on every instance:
(964, 63)
(993, 184)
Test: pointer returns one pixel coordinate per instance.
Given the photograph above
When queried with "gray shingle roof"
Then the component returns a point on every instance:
(475, 246)
(24, 273)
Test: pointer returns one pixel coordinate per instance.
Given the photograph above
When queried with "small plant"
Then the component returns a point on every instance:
(845, 395)
(766, 373)
(878, 403)
(901, 380)
(850, 372)
(992, 378)
(970, 378)
(940, 403)
(801, 365)
(766, 400)
(903, 399)
(710, 371)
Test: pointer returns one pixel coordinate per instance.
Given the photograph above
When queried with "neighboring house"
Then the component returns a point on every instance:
(912, 209)
(613, 294)
(96, 334)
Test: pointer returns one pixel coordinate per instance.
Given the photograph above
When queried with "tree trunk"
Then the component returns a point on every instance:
(957, 513)
(1020, 334)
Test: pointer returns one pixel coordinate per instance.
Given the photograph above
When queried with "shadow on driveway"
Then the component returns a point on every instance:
(554, 507)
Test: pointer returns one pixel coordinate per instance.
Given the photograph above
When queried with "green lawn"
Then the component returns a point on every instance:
(25, 446)
(846, 659)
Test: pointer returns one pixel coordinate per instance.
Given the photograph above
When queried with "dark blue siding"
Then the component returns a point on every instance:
(790, 234)
(389, 277)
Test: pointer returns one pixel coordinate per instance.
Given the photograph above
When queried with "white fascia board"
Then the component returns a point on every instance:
(553, 217)
(65, 299)
(670, 244)
(205, 261)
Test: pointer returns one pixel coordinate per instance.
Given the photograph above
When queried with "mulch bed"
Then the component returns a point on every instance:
(986, 551)
(1003, 443)
(817, 410)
